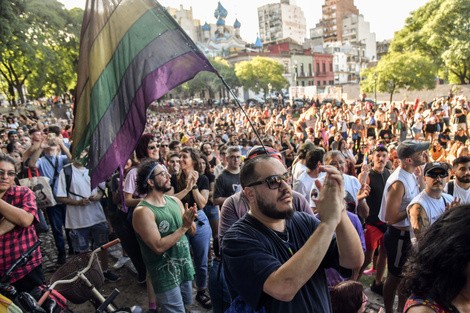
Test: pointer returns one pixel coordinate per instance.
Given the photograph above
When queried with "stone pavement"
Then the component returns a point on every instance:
(131, 292)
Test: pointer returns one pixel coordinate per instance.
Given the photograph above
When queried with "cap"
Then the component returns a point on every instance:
(434, 166)
(260, 150)
(408, 147)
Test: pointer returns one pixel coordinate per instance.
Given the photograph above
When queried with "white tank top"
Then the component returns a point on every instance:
(411, 185)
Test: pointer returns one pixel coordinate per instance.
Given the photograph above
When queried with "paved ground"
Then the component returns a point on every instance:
(131, 292)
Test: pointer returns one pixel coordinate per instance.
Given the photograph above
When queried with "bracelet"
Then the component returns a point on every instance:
(194, 187)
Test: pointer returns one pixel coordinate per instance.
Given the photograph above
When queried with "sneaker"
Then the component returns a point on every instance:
(204, 299)
(377, 288)
(121, 262)
(112, 277)
(371, 271)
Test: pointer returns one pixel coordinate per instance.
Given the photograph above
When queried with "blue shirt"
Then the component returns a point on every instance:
(46, 166)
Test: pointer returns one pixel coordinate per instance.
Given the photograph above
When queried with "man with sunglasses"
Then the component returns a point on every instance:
(274, 257)
(401, 187)
(426, 207)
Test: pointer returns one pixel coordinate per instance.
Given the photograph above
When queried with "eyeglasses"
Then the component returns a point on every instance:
(8, 173)
(163, 173)
(435, 175)
(163, 146)
(274, 181)
(151, 147)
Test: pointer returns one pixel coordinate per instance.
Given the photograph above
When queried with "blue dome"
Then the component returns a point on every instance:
(237, 24)
(206, 27)
(220, 22)
(222, 11)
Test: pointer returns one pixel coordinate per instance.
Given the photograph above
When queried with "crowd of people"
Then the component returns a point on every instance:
(282, 219)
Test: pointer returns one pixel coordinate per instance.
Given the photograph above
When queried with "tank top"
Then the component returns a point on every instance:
(174, 266)
(377, 183)
(433, 207)
(410, 183)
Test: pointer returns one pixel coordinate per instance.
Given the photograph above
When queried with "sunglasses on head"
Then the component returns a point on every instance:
(435, 175)
(273, 182)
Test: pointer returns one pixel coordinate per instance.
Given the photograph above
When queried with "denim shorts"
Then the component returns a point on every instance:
(98, 234)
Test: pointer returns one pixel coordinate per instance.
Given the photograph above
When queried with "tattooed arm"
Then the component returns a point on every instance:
(418, 219)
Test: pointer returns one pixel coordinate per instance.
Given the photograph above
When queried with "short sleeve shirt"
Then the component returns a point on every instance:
(251, 252)
(14, 243)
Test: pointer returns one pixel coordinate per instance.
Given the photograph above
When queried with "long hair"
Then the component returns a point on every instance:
(437, 268)
(346, 297)
(181, 176)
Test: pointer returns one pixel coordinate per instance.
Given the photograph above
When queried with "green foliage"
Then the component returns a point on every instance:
(259, 72)
(409, 70)
(40, 48)
(440, 31)
(210, 82)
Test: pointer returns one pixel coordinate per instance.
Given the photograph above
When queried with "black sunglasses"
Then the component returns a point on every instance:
(273, 182)
(435, 175)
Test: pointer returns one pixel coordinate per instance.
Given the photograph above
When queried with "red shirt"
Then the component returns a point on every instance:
(14, 243)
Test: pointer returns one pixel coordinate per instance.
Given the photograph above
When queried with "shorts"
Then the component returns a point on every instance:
(374, 237)
(97, 234)
(397, 244)
(212, 212)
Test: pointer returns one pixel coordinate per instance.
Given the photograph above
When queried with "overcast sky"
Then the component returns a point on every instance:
(385, 16)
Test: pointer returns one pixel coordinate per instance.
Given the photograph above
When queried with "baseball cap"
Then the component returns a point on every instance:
(260, 150)
(434, 166)
(408, 147)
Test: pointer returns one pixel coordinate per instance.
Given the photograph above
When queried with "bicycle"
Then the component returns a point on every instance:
(78, 281)
(26, 302)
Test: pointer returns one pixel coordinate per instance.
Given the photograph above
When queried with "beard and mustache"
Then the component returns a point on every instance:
(270, 210)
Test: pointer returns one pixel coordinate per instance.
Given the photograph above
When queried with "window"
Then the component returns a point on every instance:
(323, 67)
(310, 69)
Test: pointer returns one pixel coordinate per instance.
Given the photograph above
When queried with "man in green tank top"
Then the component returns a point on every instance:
(161, 223)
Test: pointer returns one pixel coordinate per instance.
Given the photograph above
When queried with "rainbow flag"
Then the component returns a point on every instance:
(132, 52)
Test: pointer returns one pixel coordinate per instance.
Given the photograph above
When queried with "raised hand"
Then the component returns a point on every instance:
(331, 201)
(189, 215)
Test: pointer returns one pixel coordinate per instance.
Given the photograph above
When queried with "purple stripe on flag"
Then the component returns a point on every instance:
(154, 86)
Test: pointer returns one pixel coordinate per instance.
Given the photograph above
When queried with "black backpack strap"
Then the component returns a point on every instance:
(68, 180)
(450, 188)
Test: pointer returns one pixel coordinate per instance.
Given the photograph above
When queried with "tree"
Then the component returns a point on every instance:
(399, 70)
(210, 82)
(439, 30)
(258, 73)
(40, 48)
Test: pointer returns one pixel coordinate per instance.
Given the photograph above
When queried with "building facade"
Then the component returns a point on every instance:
(280, 21)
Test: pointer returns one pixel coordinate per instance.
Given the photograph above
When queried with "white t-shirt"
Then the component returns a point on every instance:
(459, 192)
(80, 216)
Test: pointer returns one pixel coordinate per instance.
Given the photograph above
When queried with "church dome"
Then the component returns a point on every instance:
(237, 24)
(206, 27)
(220, 22)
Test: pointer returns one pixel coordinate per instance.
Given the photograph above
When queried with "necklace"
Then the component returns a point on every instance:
(286, 241)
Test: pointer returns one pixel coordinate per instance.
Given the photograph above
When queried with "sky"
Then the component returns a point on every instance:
(385, 16)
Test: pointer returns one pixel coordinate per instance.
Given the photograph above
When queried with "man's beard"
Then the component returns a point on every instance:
(464, 180)
(162, 188)
(270, 210)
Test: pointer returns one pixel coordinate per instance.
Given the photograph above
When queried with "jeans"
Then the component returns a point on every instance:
(96, 234)
(200, 244)
(56, 215)
(218, 290)
(174, 300)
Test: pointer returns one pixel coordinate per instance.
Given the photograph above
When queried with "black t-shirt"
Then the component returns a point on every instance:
(251, 252)
(227, 184)
(202, 184)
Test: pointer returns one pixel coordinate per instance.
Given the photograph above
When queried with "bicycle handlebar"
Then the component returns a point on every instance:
(80, 272)
(110, 244)
(21, 261)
